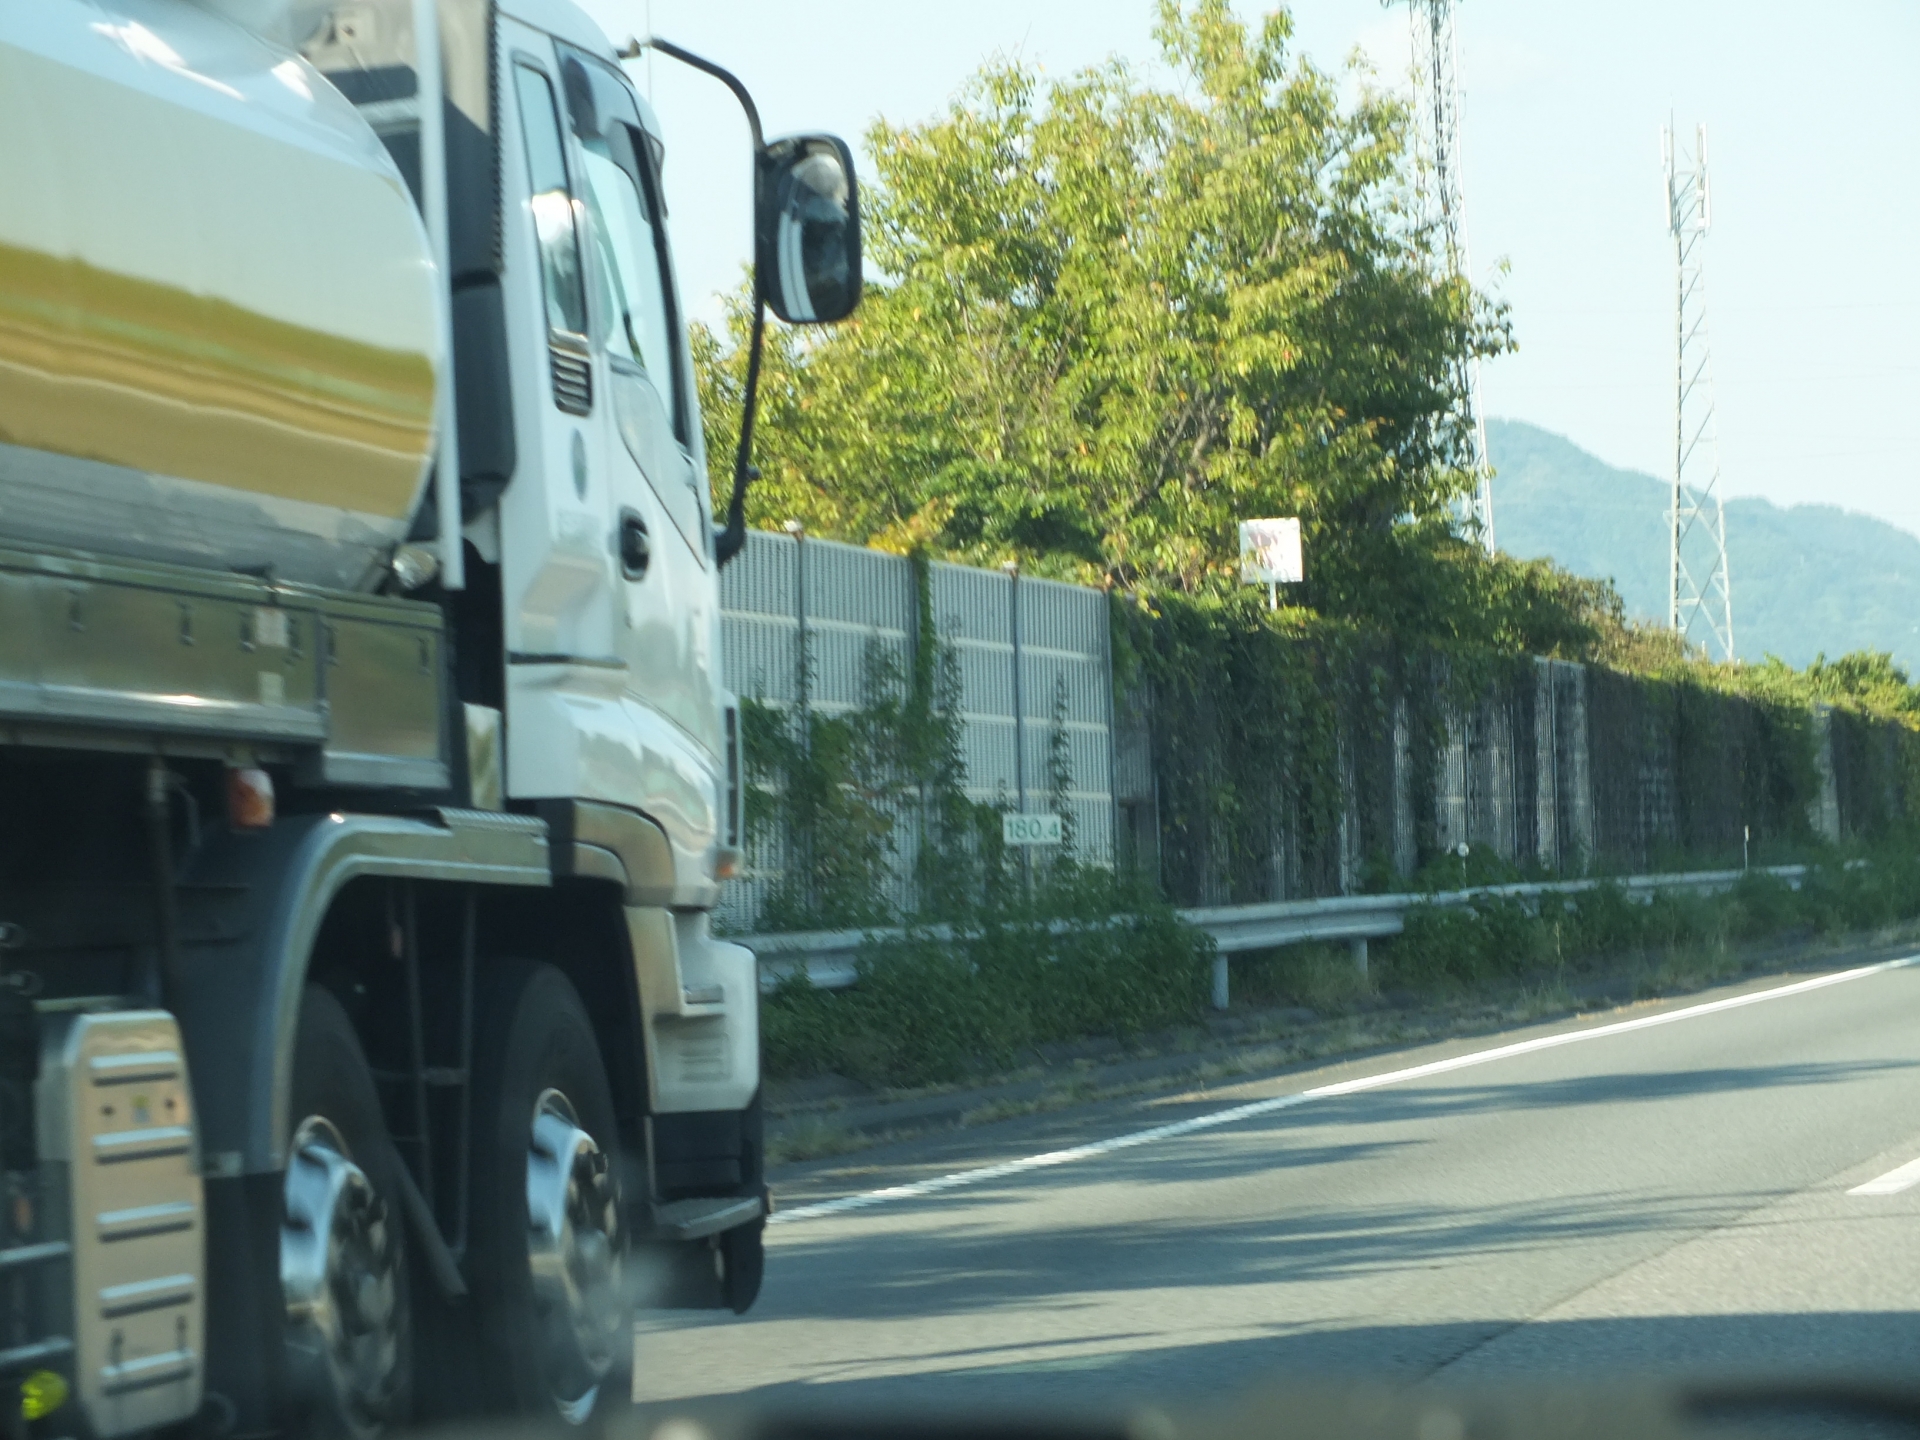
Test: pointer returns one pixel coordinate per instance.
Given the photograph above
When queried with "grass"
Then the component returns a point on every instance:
(816, 1137)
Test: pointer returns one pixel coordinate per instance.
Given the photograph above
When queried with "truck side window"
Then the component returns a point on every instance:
(552, 203)
(632, 284)
(638, 331)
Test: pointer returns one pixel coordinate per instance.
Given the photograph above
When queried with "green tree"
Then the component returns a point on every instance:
(1112, 320)
(1866, 680)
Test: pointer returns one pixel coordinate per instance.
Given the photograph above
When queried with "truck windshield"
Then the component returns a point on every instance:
(631, 280)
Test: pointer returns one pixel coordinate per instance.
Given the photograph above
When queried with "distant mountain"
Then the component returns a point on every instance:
(1809, 579)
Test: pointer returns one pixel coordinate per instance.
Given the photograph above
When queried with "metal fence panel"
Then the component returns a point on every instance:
(857, 609)
(759, 627)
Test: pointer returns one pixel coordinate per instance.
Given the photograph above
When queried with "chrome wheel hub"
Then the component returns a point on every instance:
(573, 1240)
(339, 1270)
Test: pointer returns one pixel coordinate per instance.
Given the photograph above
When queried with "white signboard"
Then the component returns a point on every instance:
(1030, 829)
(1270, 552)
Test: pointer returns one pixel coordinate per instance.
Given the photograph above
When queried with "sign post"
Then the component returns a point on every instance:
(1270, 556)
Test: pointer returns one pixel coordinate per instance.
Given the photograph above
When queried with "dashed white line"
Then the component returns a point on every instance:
(1235, 1113)
(1893, 1182)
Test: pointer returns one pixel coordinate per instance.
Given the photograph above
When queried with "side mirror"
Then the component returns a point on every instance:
(806, 253)
(807, 230)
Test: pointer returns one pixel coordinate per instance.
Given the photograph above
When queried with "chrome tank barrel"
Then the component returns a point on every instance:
(219, 341)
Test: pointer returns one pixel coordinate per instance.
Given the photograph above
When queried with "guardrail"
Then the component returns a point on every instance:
(828, 956)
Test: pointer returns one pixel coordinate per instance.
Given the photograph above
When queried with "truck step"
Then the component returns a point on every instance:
(697, 1219)
(21, 1256)
(31, 1357)
(116, 1114)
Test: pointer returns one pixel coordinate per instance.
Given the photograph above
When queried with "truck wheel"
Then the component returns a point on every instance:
(547, 1247)
(343, 1264)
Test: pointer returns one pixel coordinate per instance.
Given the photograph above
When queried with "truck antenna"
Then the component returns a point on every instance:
(730, 539)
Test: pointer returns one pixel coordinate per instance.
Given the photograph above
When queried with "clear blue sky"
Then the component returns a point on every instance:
(1814, 121)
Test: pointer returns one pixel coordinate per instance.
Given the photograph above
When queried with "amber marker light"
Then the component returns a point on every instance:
(249, 798)
(42, 1393)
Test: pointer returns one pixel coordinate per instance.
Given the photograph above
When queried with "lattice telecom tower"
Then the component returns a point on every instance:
(1436, 68)
(1699, 593)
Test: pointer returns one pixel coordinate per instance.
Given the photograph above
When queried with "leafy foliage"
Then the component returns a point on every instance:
(1046, 951)
(1114, 320)
(1867, 681)
(1281, 739)
(1858, 715)
(1084, 955)
(1496, 938)
(830, 795)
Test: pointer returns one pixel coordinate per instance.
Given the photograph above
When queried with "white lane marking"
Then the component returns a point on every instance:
(1232, 1114)
(1893, 1182)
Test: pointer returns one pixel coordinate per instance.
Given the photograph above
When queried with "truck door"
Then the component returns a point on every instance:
(664, 534)
(611, 691)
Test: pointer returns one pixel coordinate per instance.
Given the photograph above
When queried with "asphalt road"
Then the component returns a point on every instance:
(1645, 1197)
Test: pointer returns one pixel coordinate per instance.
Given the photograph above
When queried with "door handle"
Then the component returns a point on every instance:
(636, 547)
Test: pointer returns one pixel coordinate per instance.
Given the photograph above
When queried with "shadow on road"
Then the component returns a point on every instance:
(1441, 1097)
(979, 1267)
(1446, 1097)
(972, 1262)
(1102, 1372)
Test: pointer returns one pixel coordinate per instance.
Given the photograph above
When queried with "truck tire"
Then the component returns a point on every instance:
(743, 1257)
(743, 1252)
(343, 1260)
(546, 1256)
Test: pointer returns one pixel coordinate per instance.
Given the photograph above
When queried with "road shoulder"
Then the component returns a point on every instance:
(899, 1140)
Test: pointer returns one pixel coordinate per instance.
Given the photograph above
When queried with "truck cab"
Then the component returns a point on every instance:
(586, 520)
(365, 1053)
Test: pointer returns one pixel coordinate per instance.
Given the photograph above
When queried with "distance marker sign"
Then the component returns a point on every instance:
(1270, 552)
(1030, 829)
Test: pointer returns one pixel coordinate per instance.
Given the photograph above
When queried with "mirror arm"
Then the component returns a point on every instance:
(729, 541)
(631, 51)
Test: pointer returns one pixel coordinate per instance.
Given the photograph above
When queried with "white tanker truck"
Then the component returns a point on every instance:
(366, 770)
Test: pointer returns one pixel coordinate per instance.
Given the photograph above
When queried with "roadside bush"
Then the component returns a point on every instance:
(1460, 946)
(1602, 921)
(1763, 905)
(1837, 898)
(1317, 977)
(1449, 946)
(1072, 963)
